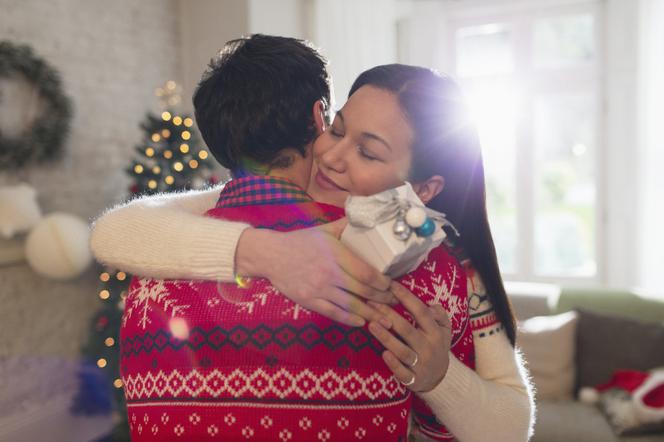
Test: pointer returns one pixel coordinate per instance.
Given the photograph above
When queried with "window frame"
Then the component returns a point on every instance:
(519, 16)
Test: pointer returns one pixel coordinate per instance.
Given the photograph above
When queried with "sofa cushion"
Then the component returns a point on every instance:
(548, 344)
(607, 343)
(623, 303)
(572, 421)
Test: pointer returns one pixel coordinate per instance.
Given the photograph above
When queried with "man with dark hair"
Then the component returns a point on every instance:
(202, 358)
(259, 107)
(263, 100)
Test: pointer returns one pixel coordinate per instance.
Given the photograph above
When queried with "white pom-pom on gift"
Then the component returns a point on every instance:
(588, 395)
(416, 217)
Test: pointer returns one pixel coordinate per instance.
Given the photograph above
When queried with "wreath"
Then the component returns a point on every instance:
(44, 137)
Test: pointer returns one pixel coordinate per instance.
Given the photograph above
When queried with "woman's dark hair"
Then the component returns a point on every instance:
(446, 143)
(257, 97)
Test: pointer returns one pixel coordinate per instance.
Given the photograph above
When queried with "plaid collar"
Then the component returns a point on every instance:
(264, 189)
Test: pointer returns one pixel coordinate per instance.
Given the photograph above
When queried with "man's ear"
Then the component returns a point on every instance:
(429, 189)
(319, 117)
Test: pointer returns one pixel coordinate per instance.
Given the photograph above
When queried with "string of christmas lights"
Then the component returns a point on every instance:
(169, 158)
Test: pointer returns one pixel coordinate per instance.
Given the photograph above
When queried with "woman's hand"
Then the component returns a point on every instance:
(419, 356)
(314, 269)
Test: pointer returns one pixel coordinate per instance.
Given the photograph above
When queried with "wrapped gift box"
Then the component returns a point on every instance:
(380, 247)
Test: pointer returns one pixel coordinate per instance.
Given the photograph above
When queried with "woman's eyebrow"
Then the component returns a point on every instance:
(369, 135)
(377, 138)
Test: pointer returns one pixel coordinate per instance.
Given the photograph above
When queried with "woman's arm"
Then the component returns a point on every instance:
(497, 395)
(493, 402)
(166, 236)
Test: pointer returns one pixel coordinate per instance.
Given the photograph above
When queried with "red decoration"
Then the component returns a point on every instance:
(102, 322)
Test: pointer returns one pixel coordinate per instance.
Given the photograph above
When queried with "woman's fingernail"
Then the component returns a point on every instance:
(380, 307)
(374, 328)
(385, 323)
(359, 322)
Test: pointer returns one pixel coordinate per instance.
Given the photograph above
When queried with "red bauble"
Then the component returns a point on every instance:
(102, 322)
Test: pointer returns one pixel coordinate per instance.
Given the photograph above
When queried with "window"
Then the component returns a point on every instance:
(531, 77)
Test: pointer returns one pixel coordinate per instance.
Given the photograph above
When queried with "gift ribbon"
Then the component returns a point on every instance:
(369, 211)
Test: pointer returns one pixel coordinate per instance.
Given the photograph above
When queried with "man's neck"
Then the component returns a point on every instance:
(283, 173)
(297, 171)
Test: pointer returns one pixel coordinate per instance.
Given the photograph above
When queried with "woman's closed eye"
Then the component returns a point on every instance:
(364, 153)
(336, 133)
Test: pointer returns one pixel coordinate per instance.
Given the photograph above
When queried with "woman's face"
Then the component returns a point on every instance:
(366, 150)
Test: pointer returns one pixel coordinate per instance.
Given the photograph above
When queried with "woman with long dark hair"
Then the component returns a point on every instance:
(431, 143)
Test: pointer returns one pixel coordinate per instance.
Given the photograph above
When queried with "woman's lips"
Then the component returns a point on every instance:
(325, 183)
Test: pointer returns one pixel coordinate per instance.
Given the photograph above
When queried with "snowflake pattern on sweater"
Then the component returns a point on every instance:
(206, 360)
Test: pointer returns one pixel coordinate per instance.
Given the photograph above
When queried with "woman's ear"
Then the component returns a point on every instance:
(319, 117)
(429, 189)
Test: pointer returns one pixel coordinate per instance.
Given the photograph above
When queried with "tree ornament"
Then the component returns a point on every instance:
(416, 217)
(402, 230)
(426, 229)
(101, 323)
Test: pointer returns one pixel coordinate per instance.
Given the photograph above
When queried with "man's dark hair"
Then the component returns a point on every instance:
(256, 98)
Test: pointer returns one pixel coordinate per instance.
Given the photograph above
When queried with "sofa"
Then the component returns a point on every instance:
(600, 333)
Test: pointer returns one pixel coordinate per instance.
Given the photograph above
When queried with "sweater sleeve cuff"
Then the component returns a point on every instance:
(452, 390)
(213, 251)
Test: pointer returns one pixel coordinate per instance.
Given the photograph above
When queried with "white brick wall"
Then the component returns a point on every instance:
(111, 55)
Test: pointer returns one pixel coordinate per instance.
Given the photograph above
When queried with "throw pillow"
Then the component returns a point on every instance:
(548, 344)
(606, 344)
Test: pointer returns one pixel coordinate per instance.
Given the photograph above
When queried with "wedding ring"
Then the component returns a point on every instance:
(411, 382)
(417, 358)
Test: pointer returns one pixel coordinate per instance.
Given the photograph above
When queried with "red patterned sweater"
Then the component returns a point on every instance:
(204, 360)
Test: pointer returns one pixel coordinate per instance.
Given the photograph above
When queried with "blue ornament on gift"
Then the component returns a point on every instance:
(426, 229)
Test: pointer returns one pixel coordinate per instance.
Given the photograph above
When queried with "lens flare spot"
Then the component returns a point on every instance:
(179, 328)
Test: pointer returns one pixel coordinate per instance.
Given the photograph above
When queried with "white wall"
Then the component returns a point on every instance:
(354, 35)
(204, 27)
(650, 233)
(619, 148)
(111, 57)
(283, 17)
(424, 33)
(633, 151)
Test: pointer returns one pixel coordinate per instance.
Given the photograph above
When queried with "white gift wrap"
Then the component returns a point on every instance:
(370, 235)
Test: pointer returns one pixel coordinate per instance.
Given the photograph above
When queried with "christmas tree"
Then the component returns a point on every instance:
(169, 158)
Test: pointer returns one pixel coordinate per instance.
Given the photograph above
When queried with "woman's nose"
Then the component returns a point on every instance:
(334, 157)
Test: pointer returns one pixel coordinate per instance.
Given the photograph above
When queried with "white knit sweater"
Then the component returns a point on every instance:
(165, 236)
